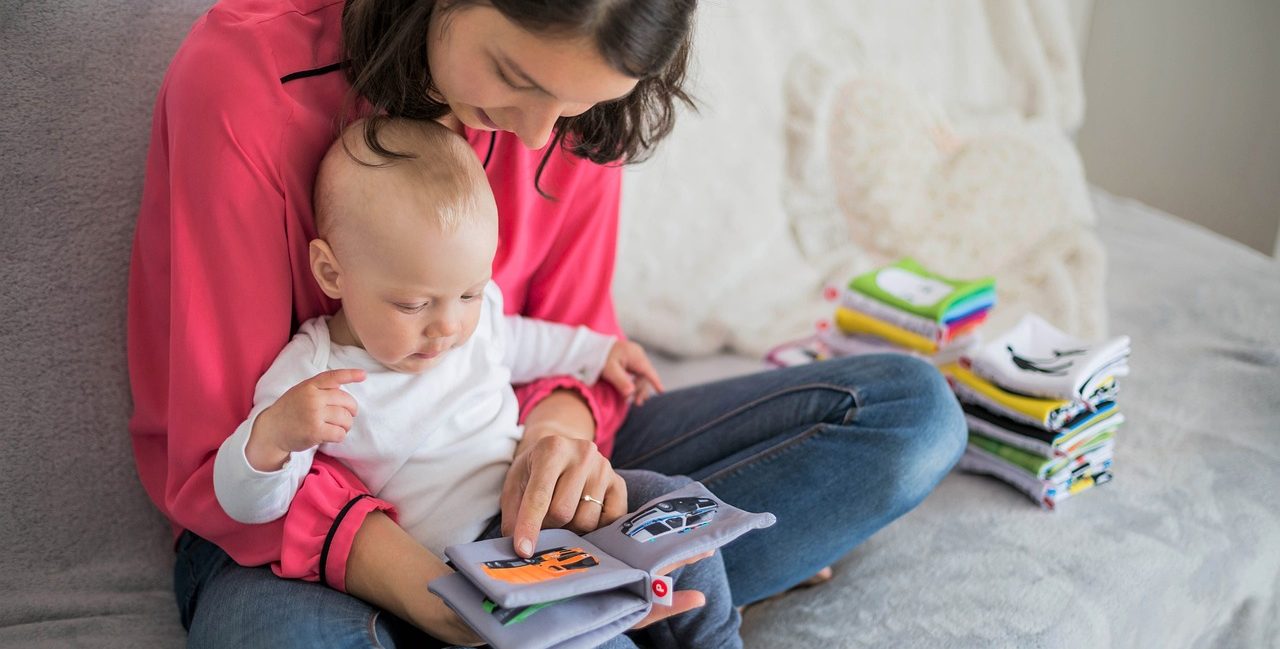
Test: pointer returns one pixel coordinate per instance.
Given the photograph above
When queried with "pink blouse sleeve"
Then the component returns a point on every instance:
(573, 285)
(210, 306)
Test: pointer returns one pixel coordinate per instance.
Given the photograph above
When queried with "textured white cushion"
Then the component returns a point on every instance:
(711, 250)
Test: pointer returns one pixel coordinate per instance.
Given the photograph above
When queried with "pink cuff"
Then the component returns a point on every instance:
(321, 526)
(607, 405)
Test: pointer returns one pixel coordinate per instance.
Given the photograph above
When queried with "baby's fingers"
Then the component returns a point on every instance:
(639, 365)
(338, 416)
(333, 434)
(617, 376)
(337, 378)
(341, 399)
(644, 389)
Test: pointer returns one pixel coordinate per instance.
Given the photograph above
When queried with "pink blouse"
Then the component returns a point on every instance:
(220, 279)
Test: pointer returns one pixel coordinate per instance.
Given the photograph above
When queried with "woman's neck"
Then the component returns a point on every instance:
(453, 123)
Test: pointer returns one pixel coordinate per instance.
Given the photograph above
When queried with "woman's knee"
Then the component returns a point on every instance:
(643, 486)
(934, 432)
(913, 403)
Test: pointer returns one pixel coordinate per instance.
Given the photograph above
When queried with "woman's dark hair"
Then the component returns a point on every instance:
(385, 52)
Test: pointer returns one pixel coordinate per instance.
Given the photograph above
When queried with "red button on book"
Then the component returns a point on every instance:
(659, 589)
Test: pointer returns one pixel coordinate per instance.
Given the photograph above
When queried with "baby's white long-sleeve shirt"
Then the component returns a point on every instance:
(436, 445)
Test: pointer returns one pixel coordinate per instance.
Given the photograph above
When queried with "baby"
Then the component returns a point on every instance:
(409, 383)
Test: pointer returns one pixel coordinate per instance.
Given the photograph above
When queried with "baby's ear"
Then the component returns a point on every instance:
(325, 268)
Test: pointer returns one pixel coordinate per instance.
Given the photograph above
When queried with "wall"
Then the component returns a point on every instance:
(1184, 110)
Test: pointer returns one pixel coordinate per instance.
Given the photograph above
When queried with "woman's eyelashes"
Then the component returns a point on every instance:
(507, 80)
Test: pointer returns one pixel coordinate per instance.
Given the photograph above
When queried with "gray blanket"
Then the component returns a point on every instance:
(1182, 549)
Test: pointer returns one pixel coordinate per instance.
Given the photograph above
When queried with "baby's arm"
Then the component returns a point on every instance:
(537, 348)
(260, 467)
(533, 349)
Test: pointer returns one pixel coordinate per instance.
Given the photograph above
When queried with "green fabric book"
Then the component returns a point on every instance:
(1038, 465)
(911, 287)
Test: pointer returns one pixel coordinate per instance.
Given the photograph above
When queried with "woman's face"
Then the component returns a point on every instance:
(497, 76)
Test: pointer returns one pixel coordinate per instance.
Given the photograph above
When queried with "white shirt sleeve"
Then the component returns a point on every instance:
(246, 494)
(534, 349)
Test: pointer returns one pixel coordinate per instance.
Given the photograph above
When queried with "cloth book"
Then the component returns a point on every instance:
(579, 591)
(1046, 443)
(1051, 414)
(1036, 359)
(938, 332)
(1086, 472)
(910, 287)
(856, 322)
(1055, 469)
(832, 343)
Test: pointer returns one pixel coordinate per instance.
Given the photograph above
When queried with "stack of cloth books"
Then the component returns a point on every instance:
(1041, 407)
(899, 308)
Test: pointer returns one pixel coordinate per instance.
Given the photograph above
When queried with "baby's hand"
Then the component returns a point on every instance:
(311, 413)
(628, 370)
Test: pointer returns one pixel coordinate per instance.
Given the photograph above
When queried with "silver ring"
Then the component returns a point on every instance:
(589, 499)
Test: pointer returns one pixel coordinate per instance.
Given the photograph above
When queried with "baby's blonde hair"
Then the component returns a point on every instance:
(443, 175)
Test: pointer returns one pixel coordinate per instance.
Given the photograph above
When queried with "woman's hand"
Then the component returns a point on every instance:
(546, 485)
(558, 444)
(681, 600)
(556, 464)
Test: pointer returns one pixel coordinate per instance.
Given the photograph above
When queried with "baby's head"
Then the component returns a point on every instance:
(407, 246)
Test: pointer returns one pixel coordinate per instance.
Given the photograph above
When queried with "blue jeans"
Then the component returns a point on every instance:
(836, 450)
(224, 604)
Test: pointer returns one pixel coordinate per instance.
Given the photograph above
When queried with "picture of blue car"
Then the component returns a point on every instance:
(675, 516)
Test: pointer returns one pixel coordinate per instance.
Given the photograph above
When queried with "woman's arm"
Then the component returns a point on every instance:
(391, 570)
(211, 303)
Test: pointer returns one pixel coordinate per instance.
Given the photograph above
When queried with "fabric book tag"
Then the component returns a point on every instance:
(660, 590)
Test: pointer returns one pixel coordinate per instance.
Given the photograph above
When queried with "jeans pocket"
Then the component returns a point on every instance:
(183, 584)
(189, 568)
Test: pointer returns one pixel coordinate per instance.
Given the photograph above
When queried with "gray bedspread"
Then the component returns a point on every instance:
(1182, 549)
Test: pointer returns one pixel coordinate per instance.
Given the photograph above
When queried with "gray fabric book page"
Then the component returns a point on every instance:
(576, 623)
(563, 565)
(679, 525)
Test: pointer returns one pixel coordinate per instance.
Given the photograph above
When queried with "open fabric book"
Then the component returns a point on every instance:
(579, 591)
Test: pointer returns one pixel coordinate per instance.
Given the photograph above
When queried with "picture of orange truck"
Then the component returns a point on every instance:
(552, 563)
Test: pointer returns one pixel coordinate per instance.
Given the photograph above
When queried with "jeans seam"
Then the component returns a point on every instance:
(191, 580)
(373, 630)
(189, 592)
(763, 456)
(853, 393)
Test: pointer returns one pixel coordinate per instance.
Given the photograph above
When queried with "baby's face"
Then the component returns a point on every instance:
(417, 295)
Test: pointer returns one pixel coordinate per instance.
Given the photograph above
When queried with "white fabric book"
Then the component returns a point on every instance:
(1037, 359)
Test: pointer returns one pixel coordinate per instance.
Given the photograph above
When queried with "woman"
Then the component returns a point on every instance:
(548, 94)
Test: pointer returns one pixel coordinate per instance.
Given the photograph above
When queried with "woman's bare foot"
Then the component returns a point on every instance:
(822, 576)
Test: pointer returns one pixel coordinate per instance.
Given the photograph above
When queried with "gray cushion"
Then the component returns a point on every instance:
(85, 554)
